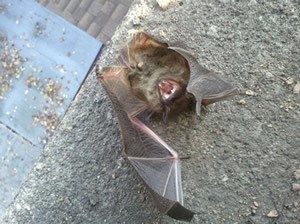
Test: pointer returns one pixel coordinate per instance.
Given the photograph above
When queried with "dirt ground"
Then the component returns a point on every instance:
(243, 152)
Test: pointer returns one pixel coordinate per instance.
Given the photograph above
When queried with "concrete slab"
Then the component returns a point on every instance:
(243, 152)
(17, 157)
(55, 57)
(43, 62)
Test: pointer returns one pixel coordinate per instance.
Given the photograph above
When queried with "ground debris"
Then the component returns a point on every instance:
(50, 90)
(11, 66)
(289, 81)
(296, 89)
(48, 119)
(242, 102)
(297, 174)
(255, 204)
(295, 187)
(164, 3)
(272, 214)
(250, 93)
(33, 81)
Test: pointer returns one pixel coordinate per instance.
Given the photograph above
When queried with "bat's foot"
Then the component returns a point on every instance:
(165, 114)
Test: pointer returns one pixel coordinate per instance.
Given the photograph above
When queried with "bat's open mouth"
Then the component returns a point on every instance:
(169, 90)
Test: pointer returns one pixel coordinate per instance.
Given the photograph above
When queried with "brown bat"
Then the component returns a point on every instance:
(152, 76)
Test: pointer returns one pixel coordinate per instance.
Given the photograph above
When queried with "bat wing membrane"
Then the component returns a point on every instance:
(156, 162)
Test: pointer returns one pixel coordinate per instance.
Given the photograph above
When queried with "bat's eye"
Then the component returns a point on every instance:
(169, 90)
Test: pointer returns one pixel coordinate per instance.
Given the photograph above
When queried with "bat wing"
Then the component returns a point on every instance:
(155, 161)
(206, 86)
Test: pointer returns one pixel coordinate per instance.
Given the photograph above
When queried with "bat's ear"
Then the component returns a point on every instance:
(207, 87)
(124, 56)
(179, 45)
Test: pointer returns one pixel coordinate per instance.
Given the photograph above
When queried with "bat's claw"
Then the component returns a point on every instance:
(165, 114)
(184, 157)
(198, 109)
(134, 32)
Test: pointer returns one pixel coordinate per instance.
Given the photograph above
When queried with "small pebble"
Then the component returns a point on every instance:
(250, 93)
(164, 3)
(289, 81)
(288, 206)
(252, 2)
(242, 101)
(40, 166)
(272, 214)
(297, 174)
(296, 88)
(253, 212)
(296, 187)
(213, 31)
(269, 75)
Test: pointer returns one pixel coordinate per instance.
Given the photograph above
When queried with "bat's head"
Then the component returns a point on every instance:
(159, 78)
(158, 75)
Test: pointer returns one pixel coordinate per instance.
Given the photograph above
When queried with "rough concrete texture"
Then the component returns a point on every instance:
(243, 152)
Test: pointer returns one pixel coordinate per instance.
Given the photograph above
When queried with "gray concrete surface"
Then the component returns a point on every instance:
(243, 151)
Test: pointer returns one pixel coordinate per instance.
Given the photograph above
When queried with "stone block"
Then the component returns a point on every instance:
(86, 21)
(109, 28)
(72, 5)
(78, 13)
(95, 7)
(94, 29)
(108, 7)
(119, 12)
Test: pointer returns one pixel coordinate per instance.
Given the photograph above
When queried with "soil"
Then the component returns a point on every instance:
(244, 152)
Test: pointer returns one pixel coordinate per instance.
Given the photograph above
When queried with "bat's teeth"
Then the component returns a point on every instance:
(168, 89)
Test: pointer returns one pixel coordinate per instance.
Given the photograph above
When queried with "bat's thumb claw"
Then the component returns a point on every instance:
(198, 108)
(165, 114)
(165, 118)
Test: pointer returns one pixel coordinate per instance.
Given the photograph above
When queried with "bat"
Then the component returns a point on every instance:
(152, 77)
